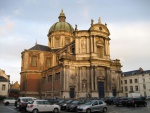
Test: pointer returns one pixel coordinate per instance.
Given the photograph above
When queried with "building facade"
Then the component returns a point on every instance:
(75, 64)
(4, 83)
(136, 81)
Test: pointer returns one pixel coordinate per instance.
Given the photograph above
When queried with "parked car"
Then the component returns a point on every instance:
(8, 101)
(74, 104)
(121, 101)
(109, 100)
(93, 106)
(135, 102)
(63, 105)
(142, 97)
(23, 101)
(60, 102)
(42, 106)
(53, 100)
(148, 98)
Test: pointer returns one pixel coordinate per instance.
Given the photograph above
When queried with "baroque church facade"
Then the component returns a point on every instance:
(75, 64)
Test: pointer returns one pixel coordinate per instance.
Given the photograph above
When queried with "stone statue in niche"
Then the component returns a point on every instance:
(113, 82)
(101, 75)
(84, 85)
(73, 78)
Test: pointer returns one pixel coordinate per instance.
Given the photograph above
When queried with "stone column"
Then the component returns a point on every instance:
(96, 78)
(78, 76)
(108, 49)
(92, 84)
(67, 79)
(94, 42)
(88, 79)
(91, 43)
(76, 73)
(64, 78)
(87, 45)
(52, 41)
(80, 81)
(109, 79)
(77, 45)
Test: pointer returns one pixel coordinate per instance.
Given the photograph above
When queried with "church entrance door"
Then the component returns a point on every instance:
(114, 92)
(101, 89)
(72, 95)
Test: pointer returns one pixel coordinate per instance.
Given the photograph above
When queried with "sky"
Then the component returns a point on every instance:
(23, 22)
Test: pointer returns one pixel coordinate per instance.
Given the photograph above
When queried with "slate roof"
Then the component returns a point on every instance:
(40, 48)
(3, 79)
(136, 72)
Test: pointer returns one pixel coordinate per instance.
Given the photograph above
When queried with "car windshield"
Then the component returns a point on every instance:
(30, 102)
(89, 103)
(25, 100)
(61, 101)
(75, 102)
(68, 101)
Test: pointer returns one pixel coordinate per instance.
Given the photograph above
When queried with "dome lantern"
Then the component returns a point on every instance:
(62, 16)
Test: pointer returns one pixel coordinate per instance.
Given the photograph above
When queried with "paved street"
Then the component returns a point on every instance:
(111, 109)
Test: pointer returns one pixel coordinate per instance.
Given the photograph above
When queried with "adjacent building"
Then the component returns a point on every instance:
(4, 83)
(14, 90)
(75, 64)
(136, 81)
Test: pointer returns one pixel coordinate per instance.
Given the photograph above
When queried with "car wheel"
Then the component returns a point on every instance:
(88, 111)
(7, 103)
(104, 109)
(55, 110)
(35, 111)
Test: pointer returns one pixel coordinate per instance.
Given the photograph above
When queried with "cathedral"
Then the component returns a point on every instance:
(75, 64)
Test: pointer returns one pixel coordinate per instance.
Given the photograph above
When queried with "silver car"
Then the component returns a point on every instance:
(93, 106)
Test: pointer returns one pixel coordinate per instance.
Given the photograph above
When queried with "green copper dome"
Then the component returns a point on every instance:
(61, 25)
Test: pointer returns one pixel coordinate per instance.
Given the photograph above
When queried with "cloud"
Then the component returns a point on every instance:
(130, 43)
(7, 27)
(84, 12)
(17, 12)
(80, 1)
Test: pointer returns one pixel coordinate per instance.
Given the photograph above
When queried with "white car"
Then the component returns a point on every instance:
(42, 106)
(8, 101)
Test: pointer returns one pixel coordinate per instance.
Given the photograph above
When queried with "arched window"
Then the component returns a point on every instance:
(34, 61)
